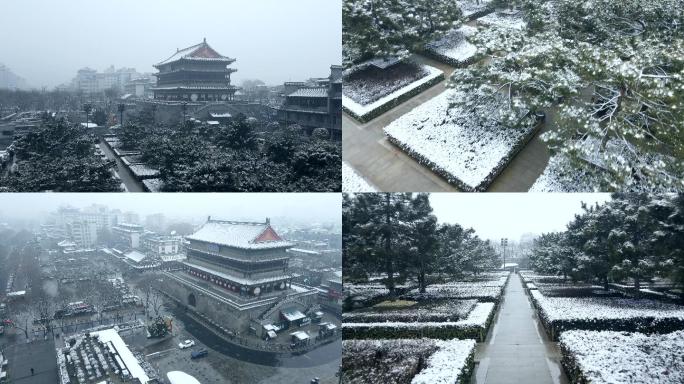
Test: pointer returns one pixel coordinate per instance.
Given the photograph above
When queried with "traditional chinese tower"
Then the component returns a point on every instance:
(196, 73)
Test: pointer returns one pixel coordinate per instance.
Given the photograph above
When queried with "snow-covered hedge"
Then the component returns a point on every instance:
(415, 361)
(453, 48)
(444, 310)
(473, 9)
(142, 171)
(153, 185)
(473, 327)
(559, 314)
(504, 19)
(365, 113)
(353, 182)
(469, 148)
(619, 357)
(489, 291)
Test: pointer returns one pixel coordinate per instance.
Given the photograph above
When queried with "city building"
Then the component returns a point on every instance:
(128, 235)
(196, 73)
(237, 274)
(314, 104)
(91, 82)
(140, 87)
(166, 248)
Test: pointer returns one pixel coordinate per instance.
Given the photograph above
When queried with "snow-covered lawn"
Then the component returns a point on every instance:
(416, 361)
(372, 94)
(467, 147)
(620, 357)
(607, 313)
(558, 176)
(472, 327)
(353, 182)
(463, 291)
(364, 293)
(442, 310)
(153, 185)
(453, 48)
(473, 8)
(505, 19)
(142, 171)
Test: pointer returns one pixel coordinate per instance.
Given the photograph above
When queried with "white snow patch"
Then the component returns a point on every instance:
(352, 181)
(621, 357)
(447, 364)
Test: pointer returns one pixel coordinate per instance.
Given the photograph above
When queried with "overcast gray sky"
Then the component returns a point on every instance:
(300, 207)
(47, 41)
(497, 215)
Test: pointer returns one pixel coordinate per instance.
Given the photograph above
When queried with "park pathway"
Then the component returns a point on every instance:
(517, 349)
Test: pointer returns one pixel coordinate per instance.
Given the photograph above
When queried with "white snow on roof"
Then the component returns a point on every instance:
(89, 125)
(180, 377)
(310, 92)
(217, 115)
(135, 256)
(292, 314)
(236, 234)
(132, 364)
(212, 122)
(186, 53)
(300, 335)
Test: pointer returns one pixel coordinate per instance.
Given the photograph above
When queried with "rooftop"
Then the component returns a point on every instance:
(310, 92)
(237, 234)
(200, 52)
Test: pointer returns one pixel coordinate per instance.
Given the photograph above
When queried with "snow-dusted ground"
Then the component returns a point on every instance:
(471, 7)
(608, 308)
(466, 147)
(621, 357)
(453, 47)
(444, 310)
(399, 361)
(362, 110)
(505, 19)
(354, 182)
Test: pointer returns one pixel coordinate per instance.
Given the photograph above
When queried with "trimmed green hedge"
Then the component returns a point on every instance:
(571, 367)
(394, 102)
(450, 60)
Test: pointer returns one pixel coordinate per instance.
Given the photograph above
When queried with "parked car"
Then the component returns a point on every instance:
(186, 344)
(198, 354)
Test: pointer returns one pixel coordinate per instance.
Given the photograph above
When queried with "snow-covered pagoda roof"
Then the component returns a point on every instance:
(198, 52)
(238, 234)
(310, 92)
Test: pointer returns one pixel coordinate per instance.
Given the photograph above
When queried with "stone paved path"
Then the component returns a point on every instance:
(517, 350)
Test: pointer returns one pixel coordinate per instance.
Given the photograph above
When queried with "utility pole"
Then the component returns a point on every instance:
(504, 243)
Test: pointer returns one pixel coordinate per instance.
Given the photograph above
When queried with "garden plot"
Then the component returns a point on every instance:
(442, 310)
(142, 171)
(607, 313)
(504, 19)
(558, 176)
(407, 361)
(467, 147)
(371, 91)
(473, 9)
(619, 357)
(153, 185)
(353, 182)
(472, 327)
(454, 48)
(482, 292)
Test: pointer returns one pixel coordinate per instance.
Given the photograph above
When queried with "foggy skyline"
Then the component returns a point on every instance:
(46, 42)
(497, 215)
(300, 207)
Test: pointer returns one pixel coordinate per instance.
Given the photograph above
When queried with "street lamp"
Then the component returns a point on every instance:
(504, 243)
(122, 108)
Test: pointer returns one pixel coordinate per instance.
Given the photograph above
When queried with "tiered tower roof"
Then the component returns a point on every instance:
(197, 52)
(239, 234)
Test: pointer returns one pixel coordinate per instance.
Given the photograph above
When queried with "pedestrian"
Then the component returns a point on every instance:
(31, 371)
